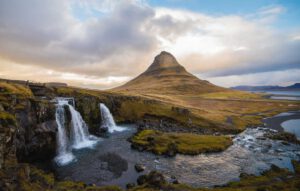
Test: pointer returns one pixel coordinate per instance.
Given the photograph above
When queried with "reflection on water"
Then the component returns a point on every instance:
(250, 153)
(292, 126)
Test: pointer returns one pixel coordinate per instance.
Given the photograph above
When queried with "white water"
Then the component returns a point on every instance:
(64, 155)
(108, 120)
(79, 135)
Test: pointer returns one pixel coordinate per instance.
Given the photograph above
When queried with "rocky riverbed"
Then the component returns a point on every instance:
(112, 161)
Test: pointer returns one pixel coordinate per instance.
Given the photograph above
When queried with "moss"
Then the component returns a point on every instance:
(7, 118)
(184, 143)
(13, 88)
(284, 136)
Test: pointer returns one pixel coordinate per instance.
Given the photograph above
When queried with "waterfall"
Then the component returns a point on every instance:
(79, 135)
(64, 155)
(108, 120)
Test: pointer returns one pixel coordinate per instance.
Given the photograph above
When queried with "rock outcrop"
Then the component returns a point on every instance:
(27, 125)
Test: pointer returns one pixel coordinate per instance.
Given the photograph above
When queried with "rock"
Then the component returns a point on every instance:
(174, 180)
(172, 150)
(103, 129)
(285, 143)
(142, 179)
(139, 167)
(130, 185)
(154, 179)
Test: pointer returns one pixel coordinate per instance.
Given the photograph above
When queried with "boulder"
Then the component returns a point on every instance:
(139, 167)
(154, 179)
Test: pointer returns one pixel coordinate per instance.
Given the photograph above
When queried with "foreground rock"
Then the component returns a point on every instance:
(154, 178)
(139, 167)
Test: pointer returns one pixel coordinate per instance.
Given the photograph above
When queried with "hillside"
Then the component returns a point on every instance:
(166, 76)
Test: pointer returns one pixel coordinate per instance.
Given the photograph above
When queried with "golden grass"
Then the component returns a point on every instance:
(13, 88)
(184, 143)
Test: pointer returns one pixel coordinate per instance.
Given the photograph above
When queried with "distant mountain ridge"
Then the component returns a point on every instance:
(293, 87)
(166, 76)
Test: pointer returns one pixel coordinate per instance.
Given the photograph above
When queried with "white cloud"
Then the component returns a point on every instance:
(103, 43)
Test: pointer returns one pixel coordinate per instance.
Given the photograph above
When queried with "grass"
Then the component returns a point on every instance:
(206, 110)
(234, 94)
(27, 177)
(13, 88)
(7, 119)
(272, 180)
(183, 143)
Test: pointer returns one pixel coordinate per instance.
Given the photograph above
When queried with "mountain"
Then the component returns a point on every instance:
(166, 76)
(294, 87)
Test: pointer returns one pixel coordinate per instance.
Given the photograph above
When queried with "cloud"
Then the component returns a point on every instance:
(230, 45)
(284, 78)
(105, 43)
(46, 34)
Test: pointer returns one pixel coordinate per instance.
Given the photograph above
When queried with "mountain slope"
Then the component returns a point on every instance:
(166, 76)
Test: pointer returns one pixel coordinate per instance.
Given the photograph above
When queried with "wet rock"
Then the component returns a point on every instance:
(130, 185)
(154, 179)
(172, 150)
(285, 143)
(174, 180)
(103, 129)
(139, 167)
(142, 179)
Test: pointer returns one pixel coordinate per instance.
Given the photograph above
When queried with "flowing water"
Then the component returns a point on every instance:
(64, 155)
(79, 135)
(112, 161)
(108, 120)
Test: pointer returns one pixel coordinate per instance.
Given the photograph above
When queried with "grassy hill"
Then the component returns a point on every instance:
(165, 76)
(168, 82)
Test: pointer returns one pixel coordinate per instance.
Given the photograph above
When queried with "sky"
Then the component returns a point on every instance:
(102, 44)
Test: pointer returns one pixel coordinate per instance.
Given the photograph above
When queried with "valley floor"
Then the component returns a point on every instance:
(27, 130)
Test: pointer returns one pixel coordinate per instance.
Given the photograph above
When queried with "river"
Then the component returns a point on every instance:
(112, 161)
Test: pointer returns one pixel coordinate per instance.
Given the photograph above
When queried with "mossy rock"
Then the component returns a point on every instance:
(184, 143)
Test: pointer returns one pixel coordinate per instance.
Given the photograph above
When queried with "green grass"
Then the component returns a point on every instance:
(184, 143)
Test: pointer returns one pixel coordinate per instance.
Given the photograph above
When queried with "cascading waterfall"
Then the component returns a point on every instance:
(80, 137)
(79, 133)
(64, 155)
(108, 120)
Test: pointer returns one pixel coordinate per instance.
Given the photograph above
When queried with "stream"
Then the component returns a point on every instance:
(111, 161)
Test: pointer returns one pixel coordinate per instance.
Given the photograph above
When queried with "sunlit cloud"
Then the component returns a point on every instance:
(102, 44)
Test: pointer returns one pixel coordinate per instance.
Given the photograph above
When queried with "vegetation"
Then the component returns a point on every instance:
(31, 178)
(284, 136)
(13, 88)
(273, 179)
(7, 119)
(184, 143)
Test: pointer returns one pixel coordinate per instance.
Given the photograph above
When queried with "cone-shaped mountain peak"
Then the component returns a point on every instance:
(166, 76)
(163, 61)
